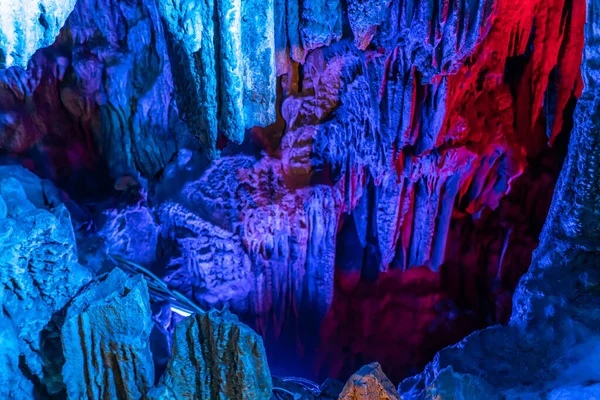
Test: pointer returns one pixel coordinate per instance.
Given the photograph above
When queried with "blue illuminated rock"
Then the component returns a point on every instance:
(131, 233)
(27, 25)
(365, 16)
(223, 58)
(209, 264)
(39, 274)
(214, 356)
(107, 89)
(451, 385)
(311, 24)
(105, 339)
(290, 242)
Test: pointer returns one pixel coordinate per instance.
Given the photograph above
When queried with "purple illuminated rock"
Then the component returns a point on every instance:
(214, 356)
(105, 339)
(102, 94)
(365, 16)
(288, 234)
(208, 264)
(393, 144)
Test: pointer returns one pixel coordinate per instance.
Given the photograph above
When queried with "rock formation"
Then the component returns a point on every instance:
(215, 357)
(208, 264)
(100, 98)
(273, 267)
(223, 57)
(29, 25)
(405, 179)
(369, 383)
(39, 275)
(105, 338)
(550, 347)
(403, 147)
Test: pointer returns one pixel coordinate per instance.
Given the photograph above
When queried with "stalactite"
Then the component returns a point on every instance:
(224, 66)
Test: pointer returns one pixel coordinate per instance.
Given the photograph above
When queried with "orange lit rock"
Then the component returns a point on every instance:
(369, 383)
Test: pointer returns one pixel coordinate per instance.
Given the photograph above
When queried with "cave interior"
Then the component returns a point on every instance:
(300, 199)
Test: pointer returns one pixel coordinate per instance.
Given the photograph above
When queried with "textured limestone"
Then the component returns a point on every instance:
(365, 16)
(369, 383)
(411, 134)
(214, 356)
(284, 232)
(223, 57)
(39, 275)
(226, 242)
(208, 264)
(310, 25)
(131, 233)
(28, 25)
(100, 96)
(105, 340)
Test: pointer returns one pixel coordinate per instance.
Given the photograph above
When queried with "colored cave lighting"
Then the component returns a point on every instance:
(393, 198)
(180, 312)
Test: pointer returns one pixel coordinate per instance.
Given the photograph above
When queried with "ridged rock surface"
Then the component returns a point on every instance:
(221, 271)
(284, 231)
(227, 243)
(550, 348)
(214, 356)
(223, 58)
(105, 339)
(39, 274)
(28, 25)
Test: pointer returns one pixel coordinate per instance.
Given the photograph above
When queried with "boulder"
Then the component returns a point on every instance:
(214, 356)
(105, 338)
(39, 274)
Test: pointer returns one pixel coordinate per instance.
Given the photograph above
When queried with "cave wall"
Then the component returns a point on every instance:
(550, 347)
(98, 103)
(405, 177)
